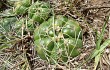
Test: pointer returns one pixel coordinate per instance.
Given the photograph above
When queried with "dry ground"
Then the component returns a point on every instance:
(91, 14)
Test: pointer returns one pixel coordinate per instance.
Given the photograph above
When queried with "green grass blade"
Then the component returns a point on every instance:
(94, 54)
(104, 45)
(101, 35)
(97, 59)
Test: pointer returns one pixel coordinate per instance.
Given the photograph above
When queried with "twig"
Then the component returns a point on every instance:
(41, 68)
(9, 16)
(96, 7)
(109, 25)
(18, 64)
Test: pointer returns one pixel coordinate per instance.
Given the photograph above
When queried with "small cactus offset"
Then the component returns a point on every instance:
(21, 7)
(39, 11)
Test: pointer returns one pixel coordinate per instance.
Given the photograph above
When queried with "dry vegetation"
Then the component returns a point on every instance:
(91, 14)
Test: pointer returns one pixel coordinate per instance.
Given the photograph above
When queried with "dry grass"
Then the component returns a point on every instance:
(22, 55)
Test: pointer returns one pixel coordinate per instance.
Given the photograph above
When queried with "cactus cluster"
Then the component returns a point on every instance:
(56, 38)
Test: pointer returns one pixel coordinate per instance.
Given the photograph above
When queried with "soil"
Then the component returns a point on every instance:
(91, 14)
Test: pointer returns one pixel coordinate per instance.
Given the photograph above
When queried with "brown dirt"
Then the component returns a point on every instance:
(91, 14)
